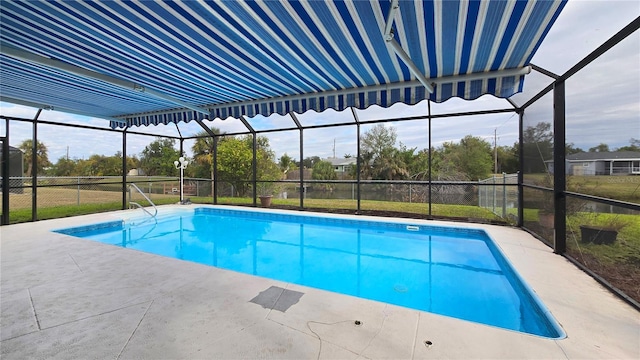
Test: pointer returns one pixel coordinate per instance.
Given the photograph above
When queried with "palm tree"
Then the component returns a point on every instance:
(366, 161)
(203, 150)
(390, 166)
(42, 157)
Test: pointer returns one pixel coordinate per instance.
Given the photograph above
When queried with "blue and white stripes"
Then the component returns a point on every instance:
(235, 58)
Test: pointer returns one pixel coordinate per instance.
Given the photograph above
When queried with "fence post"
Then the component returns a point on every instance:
(481, 194)
(78, 197)
(494, 193)
(409, 193)
(485, 193)
(504, 195)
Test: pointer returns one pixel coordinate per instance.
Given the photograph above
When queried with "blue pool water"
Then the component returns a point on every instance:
(450, 271)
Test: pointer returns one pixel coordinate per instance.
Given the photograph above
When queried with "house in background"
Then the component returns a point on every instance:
(342, 166)
(602, 163)
(136, 172)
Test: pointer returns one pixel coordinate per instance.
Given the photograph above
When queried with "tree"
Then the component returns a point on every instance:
(508, 159)
(286, 164)
(96, 165)
(203, 151)
(600, 148)
(570, 149)
(445, 165)
(379, 139)
(42, 157)
(470, 159)
(475, 159)
(390, 165)
(634, 145)
(132, 162)
(379, 158)
(415, 165)
(308, 162)
(366, 166)
(323, 170)
(538, 147)
(235, 159)
(157, 158)
(234, 163)
(101, 165)
(419, 166)
(266, 165)
(63, 167)
(83, 168)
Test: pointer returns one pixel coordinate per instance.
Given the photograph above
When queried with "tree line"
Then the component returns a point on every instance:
(382, 157)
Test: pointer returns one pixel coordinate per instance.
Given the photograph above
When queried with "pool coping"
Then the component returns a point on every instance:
(59, 298)
(544, 317)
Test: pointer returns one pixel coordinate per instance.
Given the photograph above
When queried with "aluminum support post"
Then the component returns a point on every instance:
(124, 168)
(5, 176)
(34, 169)
(559, 168)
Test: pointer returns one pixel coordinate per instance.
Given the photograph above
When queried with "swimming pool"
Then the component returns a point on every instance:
(457, 272)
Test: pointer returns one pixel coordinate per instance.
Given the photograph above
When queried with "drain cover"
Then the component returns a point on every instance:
(277, 298)
(400, 288)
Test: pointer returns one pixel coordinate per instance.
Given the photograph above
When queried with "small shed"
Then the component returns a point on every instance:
(16, 170)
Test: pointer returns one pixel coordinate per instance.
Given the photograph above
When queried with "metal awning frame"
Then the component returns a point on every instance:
(200, 115)
(397, 48)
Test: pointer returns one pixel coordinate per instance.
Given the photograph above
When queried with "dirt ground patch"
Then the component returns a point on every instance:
(624, 276)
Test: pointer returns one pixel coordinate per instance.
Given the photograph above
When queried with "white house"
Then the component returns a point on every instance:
(603, 163)
(342, 166)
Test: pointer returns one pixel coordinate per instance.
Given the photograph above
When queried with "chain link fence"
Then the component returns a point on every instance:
(66, 196)
(454, 199)
(494, 198)
(499, 194)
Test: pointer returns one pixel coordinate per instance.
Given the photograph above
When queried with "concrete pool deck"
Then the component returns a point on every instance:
(69, 298)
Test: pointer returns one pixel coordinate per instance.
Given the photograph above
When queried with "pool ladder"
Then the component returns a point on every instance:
(135, 204)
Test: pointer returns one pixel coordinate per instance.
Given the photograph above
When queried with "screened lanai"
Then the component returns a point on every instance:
(299, 71)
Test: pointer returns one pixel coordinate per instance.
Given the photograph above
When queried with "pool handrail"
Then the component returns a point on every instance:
(145, 197)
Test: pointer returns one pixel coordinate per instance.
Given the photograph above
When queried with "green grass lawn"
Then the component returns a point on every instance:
(619, 187)
(440, 210)
(626, 249)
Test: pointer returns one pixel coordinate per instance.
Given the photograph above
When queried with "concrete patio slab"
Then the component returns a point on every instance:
(69, 298)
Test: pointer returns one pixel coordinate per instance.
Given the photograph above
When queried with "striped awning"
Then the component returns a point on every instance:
(152, 62)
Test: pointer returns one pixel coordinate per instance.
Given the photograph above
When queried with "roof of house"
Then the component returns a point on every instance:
(11, 149)
(605, 155)
(341, 161)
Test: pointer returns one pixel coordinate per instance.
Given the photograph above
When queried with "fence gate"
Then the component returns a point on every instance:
(499, 194)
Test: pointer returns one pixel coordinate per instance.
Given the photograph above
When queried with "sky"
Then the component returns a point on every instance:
(602, 103)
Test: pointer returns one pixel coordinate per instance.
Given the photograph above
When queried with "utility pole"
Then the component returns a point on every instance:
(334, 148)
